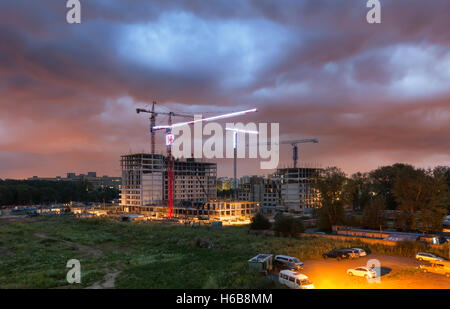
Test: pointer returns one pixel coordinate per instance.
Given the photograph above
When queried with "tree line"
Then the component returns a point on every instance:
(32, 192)
(418, 199)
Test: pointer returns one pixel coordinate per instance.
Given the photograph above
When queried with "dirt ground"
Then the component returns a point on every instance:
(109, 281)
(12, 218)
(396, 273)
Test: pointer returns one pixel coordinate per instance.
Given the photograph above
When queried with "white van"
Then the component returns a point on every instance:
(294, 280)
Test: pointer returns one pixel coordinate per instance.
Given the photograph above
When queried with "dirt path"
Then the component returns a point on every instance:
(396, 273)
(108, 282)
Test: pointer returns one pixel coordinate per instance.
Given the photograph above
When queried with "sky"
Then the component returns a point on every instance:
(373, 94)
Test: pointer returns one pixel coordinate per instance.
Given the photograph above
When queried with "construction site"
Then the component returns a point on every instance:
(145, 191)
(160, 187)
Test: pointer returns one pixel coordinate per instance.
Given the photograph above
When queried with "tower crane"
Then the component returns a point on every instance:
(294, 144)
(152, 123)
(170, 140)
(153, 120)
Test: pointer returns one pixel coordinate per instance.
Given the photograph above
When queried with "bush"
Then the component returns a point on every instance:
(288, 225)
(354, 221)
(260, 222)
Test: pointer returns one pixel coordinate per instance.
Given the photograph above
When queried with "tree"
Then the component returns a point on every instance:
(421, 198)
(260, 222)
(373, 216)
(24, 192)
(443, 172)
(288, 225)
(358, 190)
(331, 187)
(383, 180)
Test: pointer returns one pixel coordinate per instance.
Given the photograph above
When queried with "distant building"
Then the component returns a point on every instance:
(296, 188)
(288, 189)
(245, 179)
(263, 191)
(224, 184)
(97, 182)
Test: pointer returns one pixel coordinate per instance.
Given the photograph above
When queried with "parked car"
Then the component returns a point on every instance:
(437, 267)
(423, 256)
(362, 272)
(295, 280)
(353, 254)
(287, 262)
(336, 254)
(360, 252)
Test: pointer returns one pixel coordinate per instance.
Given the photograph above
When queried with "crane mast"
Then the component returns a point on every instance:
(152, 124)
(169, 143)
(294, 144)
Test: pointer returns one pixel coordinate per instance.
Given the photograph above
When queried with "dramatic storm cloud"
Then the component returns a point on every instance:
(373, 94)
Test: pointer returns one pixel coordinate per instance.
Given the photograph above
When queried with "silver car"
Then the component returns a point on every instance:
(423, 256)
(360, 252)
(362, 271)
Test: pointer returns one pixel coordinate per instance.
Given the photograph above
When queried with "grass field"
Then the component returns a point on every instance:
(34, 254)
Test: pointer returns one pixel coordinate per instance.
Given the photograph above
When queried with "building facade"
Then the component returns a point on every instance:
(263, 191)
(228, 212)
(288, 189)
(145, 180)
(296, 186)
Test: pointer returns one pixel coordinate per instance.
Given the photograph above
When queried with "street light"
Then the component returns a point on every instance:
(235, 132)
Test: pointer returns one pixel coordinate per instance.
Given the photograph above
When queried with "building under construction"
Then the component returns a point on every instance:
(297, 191)
(145, 190)
(228, 212)
(288, 189)
(145, 180)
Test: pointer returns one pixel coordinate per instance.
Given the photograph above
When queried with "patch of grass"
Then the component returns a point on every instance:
(149, 255)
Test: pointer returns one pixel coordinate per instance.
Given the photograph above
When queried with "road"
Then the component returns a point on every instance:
(396, 273)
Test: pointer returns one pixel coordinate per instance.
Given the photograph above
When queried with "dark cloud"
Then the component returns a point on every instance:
(378, 92)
